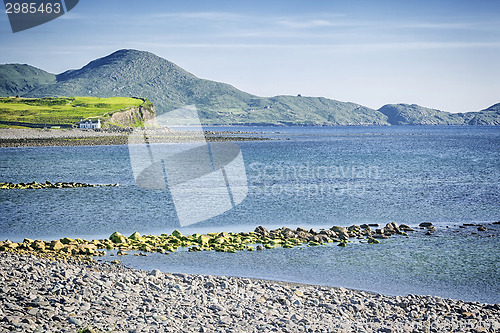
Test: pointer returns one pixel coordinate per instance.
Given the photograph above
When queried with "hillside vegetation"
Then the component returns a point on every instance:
(62, 111)
(167, 86)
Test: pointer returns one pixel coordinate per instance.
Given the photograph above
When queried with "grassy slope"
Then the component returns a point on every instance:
(17, 79)
(63, 111)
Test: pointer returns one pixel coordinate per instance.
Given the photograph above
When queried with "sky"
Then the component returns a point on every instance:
(442, 54)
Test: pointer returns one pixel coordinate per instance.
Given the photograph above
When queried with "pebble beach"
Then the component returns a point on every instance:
(43, 295)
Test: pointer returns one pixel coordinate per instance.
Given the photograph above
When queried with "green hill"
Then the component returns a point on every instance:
(66, 111)
(17, 79)
(128, 73)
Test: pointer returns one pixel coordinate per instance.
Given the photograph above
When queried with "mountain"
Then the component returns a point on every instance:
(489, 116)
(132, 73)
(17, 79)
(405, 114)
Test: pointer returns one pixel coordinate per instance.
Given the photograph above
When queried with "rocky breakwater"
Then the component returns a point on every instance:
(47, 184)
(259, 240)
(38, 295)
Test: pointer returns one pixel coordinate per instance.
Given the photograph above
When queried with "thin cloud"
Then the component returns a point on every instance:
(212, 16)
(306, 24)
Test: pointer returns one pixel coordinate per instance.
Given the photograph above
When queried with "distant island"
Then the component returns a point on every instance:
(129, 73)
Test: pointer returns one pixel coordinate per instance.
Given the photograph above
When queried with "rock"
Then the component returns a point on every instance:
(38, 245)
(425, 224)
(287, 233)
(341, 232)
(177, 234)
(117, 238)
(404, 227)
(135, 236)
(75, 321)
(209, 284)
(259, 247)
(481, 228)
(155, 272)
(56, 245)
(261, 231)
(392, 228)
(203, 239)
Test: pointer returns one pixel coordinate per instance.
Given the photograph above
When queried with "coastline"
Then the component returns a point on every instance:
(55, 295)
(77, 137)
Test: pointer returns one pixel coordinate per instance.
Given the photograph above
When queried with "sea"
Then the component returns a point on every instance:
(310, 177)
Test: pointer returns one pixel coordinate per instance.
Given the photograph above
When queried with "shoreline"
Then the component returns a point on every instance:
(57, 296)
(77, 137)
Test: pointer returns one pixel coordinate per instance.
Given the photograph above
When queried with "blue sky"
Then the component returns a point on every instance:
(439, 54)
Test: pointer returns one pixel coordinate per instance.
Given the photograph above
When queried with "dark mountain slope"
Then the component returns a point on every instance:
(17, 79)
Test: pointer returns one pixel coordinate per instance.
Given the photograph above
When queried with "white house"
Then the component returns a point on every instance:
(90, 123)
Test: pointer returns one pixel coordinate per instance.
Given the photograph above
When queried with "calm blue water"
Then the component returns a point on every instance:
(307, 176)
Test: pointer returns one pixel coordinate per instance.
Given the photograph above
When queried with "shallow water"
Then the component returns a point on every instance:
(307, 176)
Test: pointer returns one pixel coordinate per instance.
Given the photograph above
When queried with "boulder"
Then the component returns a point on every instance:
(261, 231)
(56, 245)
(287, 233)
(303, 235)
(67, 240)
(425, 224)
(38, 245)
(177, 234)
(135, 236)
(340, 232)
(203, 239)
(117, 238)
(404, 227)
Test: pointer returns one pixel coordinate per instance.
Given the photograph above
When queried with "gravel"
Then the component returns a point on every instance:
(15, 133)
(41, 295)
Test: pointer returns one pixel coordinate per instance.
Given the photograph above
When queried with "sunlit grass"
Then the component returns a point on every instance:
(62, 110)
